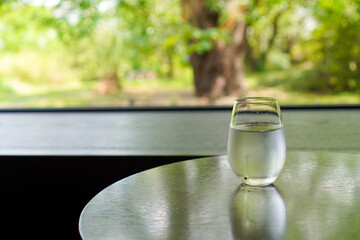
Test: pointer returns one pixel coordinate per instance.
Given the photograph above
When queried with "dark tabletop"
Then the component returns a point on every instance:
(317, 196)
(165, 133)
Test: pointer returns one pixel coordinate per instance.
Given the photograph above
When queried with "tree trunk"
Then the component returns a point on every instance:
(275, 27)
(108, 84)
(258, 63)
(250, 59)
(219, 71)
(170, 72)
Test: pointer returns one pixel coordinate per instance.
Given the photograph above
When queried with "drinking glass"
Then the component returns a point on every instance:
(256, 144)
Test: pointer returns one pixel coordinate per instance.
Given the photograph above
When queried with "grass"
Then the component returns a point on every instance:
(290, 87)
(164, 92)
(160, 83)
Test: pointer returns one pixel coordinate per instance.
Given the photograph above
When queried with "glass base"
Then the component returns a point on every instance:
(258, 181)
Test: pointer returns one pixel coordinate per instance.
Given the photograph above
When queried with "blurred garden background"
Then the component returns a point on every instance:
(60, 53)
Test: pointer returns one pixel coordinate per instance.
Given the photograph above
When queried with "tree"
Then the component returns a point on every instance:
(83, 26)
(121, 36)
(219, 39)
(154, 31)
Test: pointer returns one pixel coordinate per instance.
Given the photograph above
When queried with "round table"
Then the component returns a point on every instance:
(317, 196)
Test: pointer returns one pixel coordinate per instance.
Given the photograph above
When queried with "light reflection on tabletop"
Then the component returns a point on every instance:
(316, 196)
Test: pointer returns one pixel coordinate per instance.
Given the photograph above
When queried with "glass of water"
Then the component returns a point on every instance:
(256, 143)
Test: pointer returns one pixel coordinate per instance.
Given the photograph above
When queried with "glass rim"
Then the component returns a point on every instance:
(255, 100)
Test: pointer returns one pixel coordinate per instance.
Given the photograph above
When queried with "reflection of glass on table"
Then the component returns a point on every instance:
(257, 213)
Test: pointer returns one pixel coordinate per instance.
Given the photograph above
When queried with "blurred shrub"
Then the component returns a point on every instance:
(36, 69)
(278, 60)
(301, 78)
(334, 46)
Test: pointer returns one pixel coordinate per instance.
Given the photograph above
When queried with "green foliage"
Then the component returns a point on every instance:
(17, 33)
(334, 48)
(299, 78)
(302, 45)
(154, 35)
(44, 69)
(273, 27)
(324, 34)
(75, 20)
(202, 40)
